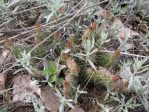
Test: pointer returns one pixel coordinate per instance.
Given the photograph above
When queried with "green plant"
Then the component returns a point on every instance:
(77, 93)
(144, 101)
(25, 61)
(116, 7)
(88, 46)
(38, 104)
(105, 108)
(131, 75)
(3, 7)
(4, 13)
(141, 8)
(64, 102)
(53, 7)
(51, 71)
(124, 45)
(124, 105)
(103, 37)
(106, 59)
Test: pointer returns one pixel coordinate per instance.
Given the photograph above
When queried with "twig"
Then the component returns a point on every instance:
(124, 53)
(8, 69)
(33, 8)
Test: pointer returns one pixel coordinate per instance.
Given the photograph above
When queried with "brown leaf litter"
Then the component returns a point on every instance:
(24, 88)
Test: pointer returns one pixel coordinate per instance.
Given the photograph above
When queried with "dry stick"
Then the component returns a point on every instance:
(59, 28)
(33, 8)
(8, 69)
(6, 22)
(75, 7)
(124, 53)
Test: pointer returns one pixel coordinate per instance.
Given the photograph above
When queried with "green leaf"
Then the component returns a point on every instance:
(92, 64)
(138, 63)
(53, 78)
(89, 45)
(104, 36)
(70, 105)
(61, 108)
(51, 69)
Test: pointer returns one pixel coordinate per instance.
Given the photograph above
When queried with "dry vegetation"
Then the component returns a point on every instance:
(74, 56)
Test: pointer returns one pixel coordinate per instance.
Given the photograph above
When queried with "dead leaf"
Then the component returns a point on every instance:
(5, 53)
(38, 27)
(69, 43)
(86, 35)
(25, 92)
(116, 78)
(8, 43)
(36, 40)
(3, 60)
(72, 65)
(117, 53)
(37, 73)
(1, 66)
(143, 27)
(57, 36)
(5, 57)
(77, 109)
(61, 10)
(24, 88)
(67, 88)
(124, 31)
(93, 25)
(51, 101)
